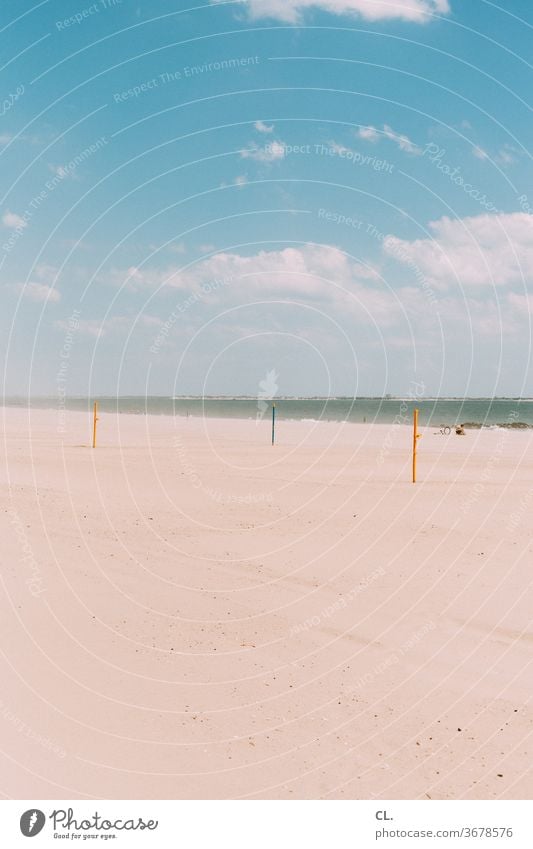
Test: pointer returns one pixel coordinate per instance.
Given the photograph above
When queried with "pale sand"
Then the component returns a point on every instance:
(211, 617)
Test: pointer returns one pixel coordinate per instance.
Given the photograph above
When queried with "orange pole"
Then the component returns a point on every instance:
(95, 419)
(416, 437)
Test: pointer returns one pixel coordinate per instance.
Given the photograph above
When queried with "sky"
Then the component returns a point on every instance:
(331, 195)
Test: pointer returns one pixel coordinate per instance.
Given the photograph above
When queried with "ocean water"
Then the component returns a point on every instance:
(472, 412)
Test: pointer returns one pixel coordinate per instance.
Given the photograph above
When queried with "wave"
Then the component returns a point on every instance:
(507, 425)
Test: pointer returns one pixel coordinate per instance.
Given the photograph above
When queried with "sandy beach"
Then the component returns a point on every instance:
(189, 612)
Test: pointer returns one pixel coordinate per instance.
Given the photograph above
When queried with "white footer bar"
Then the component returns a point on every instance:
(268, 824)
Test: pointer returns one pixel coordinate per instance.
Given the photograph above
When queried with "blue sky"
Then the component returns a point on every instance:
(197, 195)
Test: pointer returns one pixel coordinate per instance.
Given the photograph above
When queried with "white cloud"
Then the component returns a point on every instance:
(48, 273)
(303, 270)
(96, 328)
(522, 304)
(372, 134)
(339, 149)
(44, 285)
(261, 127)
(368, 134)
(134, 273)
(241, 180)
(418, 11)
(403, 142)
(13, 221)
(479, 153)
(86, 327)
(60, 171)
(315, 274)
(476, 251)
(40, 293)
(268, 153)
(505, 156)
(323, 277)
(178, 248)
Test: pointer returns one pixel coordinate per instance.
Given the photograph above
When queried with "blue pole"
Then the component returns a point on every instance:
(273, 423)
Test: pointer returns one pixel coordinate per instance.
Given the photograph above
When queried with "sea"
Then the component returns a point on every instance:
(439, 412)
